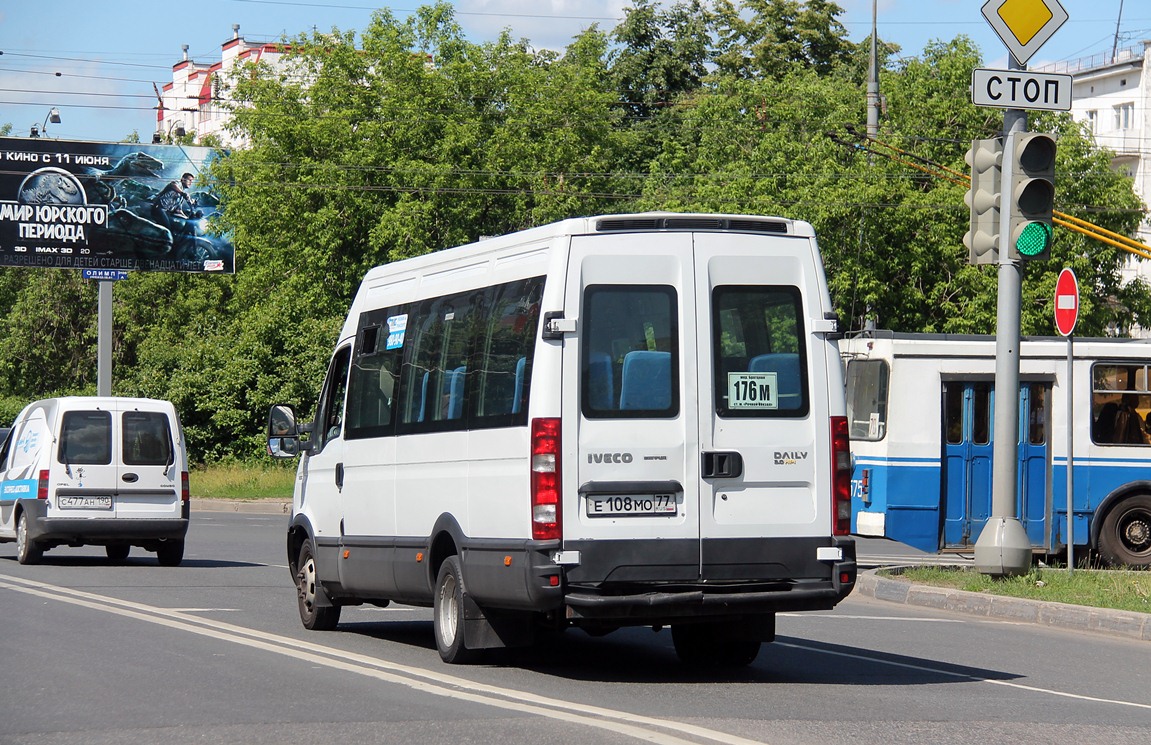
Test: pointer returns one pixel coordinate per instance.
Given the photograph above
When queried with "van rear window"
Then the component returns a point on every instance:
(759, 357)
(630, 362)
(147, 441)
(86, 438)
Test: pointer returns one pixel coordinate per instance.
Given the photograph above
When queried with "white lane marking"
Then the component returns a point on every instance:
(965, 676)
(206, 610)
(439, 684)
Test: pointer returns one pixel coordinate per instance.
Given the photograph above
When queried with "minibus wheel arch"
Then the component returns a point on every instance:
(445, 541)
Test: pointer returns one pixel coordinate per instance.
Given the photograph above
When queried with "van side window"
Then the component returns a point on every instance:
(330, 417)
(374, 375)
(759, 360)
(629, 365)
(504, 354)
(434, 376)
(146, 439)
(86, 438)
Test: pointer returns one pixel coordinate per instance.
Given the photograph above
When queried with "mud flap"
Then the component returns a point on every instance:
(493, 629)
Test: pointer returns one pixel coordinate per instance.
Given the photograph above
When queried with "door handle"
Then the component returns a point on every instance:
(340, 476)
(722, 465)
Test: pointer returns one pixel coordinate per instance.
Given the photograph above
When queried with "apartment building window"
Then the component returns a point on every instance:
(1124, 116)
(1092, 121)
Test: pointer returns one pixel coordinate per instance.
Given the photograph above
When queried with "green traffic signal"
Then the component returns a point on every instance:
(1035, 239)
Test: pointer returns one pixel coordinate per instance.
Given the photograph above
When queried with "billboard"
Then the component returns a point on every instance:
(109, 206)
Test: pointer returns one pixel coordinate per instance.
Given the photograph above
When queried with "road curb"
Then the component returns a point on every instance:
(1124, 624)
(253, 506)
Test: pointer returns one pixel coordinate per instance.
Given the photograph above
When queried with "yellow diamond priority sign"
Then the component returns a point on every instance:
(1024, 25)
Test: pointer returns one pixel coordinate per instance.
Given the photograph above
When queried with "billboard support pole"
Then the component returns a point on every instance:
(104, 342)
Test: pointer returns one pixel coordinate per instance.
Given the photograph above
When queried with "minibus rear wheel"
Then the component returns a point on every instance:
(448, 618)
(711, 645)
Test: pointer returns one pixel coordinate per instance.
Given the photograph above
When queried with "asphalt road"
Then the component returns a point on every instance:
(212, 651)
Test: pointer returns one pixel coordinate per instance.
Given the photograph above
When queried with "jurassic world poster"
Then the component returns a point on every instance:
(98, 205)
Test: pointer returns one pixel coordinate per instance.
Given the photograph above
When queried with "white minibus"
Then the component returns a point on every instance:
(627, 420)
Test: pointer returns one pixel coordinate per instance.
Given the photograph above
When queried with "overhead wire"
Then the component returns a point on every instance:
(1062, 219)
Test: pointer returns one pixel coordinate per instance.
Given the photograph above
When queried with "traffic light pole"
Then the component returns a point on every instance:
(1003, 547)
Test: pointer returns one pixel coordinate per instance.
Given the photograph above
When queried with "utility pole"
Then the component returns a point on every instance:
(1003, 547)
(873, 76)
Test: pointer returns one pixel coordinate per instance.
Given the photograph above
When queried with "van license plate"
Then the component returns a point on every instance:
(631, 504)
(86, 503)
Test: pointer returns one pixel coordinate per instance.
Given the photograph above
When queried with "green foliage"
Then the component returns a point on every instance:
(408, 138)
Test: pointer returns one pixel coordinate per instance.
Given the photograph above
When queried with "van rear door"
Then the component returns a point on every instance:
(635, 428)
(764, 433)
(149, 471)
(697, 435)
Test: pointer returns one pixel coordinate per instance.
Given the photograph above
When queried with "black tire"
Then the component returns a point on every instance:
(709, 645)
(1125, 538)
(309, 592)
(27, 551)
(448, 614)
(118, 552)
(170, 553)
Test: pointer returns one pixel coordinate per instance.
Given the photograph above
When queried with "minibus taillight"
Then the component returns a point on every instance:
(840, 476)
(184, 493)
(546, 505)
(42, 486)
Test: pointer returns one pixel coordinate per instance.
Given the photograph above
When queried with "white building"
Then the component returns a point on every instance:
(191, 103)
(1112, 96)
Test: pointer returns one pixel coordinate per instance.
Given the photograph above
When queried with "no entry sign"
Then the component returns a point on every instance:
(1066, 302)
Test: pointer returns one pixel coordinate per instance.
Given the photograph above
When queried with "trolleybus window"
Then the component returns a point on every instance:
(1120, 403)
(867, 399)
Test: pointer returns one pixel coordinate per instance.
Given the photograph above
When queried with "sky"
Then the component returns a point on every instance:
(97, 60)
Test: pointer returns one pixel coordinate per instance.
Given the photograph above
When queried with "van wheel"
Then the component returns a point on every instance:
(308, 589)
(708, 645)
(448, 614)
(27, 551)
(1125, 539)
(118, 552)
(170, 553)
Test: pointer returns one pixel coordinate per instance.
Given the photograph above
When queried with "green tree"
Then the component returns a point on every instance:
(769, 37)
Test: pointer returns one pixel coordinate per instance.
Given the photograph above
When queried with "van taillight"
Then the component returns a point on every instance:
(42, 486)
(547, 509)
(184, 493)
(840, 476)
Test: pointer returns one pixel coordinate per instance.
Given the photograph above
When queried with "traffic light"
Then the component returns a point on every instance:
(985, 158)
(1029, 194)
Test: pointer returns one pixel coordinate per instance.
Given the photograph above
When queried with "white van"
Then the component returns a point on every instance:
(102, 471)
(629, 420)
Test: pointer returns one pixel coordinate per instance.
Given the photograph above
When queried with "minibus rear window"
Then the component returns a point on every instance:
(630, 358)
(759, 359)
(86, 438)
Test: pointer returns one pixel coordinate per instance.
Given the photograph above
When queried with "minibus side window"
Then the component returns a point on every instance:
(330, 417)
(629, 365)
(374, 373)
(504, 354)
(435, 373)
(759, 359)
(86, 438)
(1120, 403)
